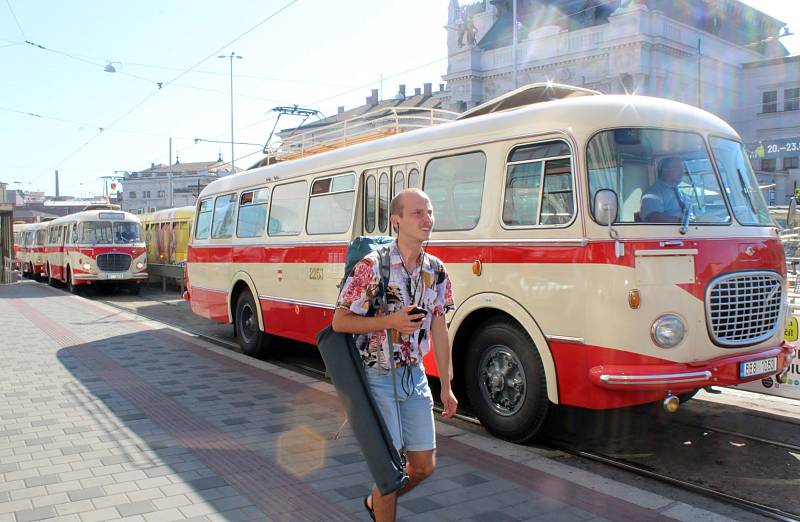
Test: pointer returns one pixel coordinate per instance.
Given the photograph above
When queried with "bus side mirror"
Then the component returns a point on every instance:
(605, 206)
(791, 215)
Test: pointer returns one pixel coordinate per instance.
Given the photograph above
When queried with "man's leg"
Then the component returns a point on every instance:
(420, 466)
(384, 507)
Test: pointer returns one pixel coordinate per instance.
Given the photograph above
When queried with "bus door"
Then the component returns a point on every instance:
(380, 186)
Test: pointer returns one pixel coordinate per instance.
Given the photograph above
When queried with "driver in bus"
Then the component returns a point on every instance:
(663, 202)
(419, 294)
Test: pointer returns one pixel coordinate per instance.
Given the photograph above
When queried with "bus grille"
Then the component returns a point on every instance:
(744, 308)
(114, 262)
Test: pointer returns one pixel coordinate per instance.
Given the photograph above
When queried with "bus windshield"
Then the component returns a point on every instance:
(658, 176)
(106, 233)
(740, 182)
(127, 232)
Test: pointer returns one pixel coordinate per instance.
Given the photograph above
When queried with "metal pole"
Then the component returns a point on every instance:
(232, 156)
(699, 78)
(169, 175)
(514, 39)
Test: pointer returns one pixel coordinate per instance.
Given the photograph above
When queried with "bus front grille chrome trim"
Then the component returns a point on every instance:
(668, 378)
(744, 308)
(114, 262)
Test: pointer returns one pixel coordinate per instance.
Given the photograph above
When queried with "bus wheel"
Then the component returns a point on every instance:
(505, 381)
(252, 340)
(72, 288)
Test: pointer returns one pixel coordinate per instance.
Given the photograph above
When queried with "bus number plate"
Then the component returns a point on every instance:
(758, 367)
(115, 276)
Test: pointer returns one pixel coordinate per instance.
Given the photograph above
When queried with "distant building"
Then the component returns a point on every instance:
(148, 190)
(721, 55)
(376, 118)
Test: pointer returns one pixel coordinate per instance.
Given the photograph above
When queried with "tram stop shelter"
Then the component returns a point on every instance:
(6, 236)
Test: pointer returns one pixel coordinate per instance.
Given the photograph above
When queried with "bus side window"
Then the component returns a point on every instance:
(538, 186)
(330, 206)
(224, 216)
(252, 213)
(203, 227)
(369, 204)
(287, 209)
(413, 178)
(455, 186)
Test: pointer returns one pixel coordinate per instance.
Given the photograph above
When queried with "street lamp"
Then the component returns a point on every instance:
(231, 57)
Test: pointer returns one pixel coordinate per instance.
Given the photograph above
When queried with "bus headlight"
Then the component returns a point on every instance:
(87, 266)
(668, 331)
(139, 266)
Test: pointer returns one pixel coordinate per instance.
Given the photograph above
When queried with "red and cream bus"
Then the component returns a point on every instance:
(96, 246)
(565, 293)
(29, 241)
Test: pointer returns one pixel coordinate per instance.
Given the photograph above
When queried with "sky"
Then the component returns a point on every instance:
(59, 109)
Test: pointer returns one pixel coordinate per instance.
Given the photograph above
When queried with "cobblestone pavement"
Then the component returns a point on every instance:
(108, 416)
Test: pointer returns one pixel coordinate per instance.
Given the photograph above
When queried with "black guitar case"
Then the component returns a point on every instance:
(346, 369)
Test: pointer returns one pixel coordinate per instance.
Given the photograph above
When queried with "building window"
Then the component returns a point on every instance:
(769, 101)
(791, 162)
(768, 165)
(791, 99)
(145, 194)
(132, 195)
(162, 193)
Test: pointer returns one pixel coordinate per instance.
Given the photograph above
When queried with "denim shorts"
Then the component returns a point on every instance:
(416, 405)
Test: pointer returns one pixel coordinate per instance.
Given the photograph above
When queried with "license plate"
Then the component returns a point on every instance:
(115, 276)
(758, 367)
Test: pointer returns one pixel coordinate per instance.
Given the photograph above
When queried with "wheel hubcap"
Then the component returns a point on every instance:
(502, 380)
(248, 323)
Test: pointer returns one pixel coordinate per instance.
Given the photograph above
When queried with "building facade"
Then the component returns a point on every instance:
(161, 186)
(721, 55)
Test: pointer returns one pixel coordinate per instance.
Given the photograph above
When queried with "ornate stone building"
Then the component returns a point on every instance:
(721, 55)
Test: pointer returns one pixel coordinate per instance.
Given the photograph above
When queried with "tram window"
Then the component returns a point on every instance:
(286, 210)
(224, 215)
(383, 202)
(330, 207)
(74, 235)
(455, 186)
(203, 227)
(413, 178)
(539, 189)
(369, 205)
(399, 181)
(252, 213)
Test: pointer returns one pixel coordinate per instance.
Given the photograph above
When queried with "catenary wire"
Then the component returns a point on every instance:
(149, 96)
(14, 16)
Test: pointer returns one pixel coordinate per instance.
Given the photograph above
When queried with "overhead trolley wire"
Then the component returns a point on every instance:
(149, 96)
(14, 16)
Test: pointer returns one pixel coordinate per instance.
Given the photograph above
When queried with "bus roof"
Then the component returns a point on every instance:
(168, 214)
(95, 215)
(582, 116)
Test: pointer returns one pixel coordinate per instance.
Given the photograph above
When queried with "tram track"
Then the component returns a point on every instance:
(585, 454)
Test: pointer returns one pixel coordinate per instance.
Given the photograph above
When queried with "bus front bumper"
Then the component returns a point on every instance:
(724, 371)
(112, 276)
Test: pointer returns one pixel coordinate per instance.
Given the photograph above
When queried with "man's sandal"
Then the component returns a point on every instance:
(369, 509)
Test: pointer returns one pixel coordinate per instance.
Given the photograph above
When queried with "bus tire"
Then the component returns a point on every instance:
(252, 340)
(135, 288)
(72, 288)
(505, 381)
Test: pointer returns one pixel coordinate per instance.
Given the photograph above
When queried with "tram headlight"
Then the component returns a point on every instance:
(668, 331)
(87, 266)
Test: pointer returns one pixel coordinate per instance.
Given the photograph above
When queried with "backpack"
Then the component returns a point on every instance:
(362, 246)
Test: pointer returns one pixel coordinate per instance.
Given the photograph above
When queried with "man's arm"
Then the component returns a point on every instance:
(345, 321)
(442, 355)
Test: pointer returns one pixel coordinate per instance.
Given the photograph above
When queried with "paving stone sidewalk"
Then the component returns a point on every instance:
(108, 416)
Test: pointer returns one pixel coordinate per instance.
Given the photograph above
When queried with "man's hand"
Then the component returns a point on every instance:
(449, 403)
(405, 322)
